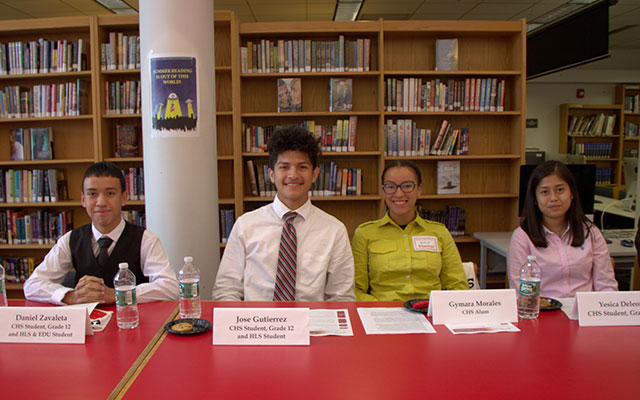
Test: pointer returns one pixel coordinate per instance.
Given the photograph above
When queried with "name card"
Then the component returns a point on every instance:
(608, 308)
(473, 306)
(261, 326)
(44, 325)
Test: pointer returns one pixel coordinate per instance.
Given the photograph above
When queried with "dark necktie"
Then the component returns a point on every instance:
(104, 243)
(285, 289)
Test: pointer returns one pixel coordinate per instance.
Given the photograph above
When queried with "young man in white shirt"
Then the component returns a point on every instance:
(288, 250)
(96, 249)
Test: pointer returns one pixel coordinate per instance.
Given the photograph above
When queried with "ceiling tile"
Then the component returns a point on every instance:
(8, 12)
(90, 7)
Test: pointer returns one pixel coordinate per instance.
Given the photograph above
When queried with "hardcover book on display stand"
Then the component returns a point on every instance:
(126, 141)
(41, 144)
(289, 95)
(341, 93)
(448, 177)
(447, 55)
(17, 145)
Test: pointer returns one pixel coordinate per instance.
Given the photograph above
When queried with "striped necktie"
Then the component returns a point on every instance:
(285, 289)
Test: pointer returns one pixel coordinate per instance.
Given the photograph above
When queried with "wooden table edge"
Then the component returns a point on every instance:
(130, 376)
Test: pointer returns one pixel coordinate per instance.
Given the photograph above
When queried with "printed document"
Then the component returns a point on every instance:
(395, 320)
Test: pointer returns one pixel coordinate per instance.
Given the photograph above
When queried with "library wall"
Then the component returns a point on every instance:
(543, 103)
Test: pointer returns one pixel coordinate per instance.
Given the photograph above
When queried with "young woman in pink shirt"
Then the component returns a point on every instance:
(570, 249)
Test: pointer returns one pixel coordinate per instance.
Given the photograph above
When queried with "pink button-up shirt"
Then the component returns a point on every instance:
(565, 269)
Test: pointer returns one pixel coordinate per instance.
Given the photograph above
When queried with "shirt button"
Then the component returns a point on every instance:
(407, 249)
(408, 266)
(407, 276)
(404, 235)
(410, 286)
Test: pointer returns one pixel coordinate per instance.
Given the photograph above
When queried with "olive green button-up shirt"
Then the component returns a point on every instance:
(390, 265)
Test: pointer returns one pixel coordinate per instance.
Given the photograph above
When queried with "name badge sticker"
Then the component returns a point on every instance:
(425, 243)
(260, 326)
(43, 325)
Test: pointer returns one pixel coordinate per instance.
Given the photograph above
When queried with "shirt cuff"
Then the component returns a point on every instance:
(58, 295)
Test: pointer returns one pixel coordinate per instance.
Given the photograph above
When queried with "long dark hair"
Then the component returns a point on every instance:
(532, 221)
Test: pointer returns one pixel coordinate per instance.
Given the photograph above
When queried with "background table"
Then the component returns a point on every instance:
(551, 358)
(498, 242)
(79, 371)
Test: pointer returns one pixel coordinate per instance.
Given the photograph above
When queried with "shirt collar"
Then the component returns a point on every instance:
(548, 232)
(114, 234)
(387, 220)
(280, 209)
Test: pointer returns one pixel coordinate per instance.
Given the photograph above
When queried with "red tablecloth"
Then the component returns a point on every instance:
(78, 371)
(551, 358)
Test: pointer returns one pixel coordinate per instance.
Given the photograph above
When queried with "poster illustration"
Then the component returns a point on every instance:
(174, 97)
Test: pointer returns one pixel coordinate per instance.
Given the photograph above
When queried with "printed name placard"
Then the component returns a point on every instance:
(261, 326)
(608, 308)
(473, 306)
(44, 325)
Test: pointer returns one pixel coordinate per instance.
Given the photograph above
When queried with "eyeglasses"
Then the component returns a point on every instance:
(406, 187)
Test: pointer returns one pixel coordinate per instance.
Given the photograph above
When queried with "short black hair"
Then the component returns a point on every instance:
(293, 138)
(403, 163)
(532, 221)
(104, 168)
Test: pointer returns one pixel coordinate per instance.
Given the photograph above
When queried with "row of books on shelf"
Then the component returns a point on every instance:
(136, 217)
(471, 94)
(595, 125)
(335, 181)
(38, 227)
(17, 269)
(404, 138)
(593, 150)
(122, 52)
(53, 100)
(32, 186)
(305, 55)
(43, 56)
(453, 217)
(332, 180)
(603, 176)
(339, 137)
(123, 97)
(134, 183)
(31, 144)
(631, 130)
(632, 103)
(227, 218)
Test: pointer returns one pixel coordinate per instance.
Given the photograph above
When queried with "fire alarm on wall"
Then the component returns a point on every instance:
(580, 93)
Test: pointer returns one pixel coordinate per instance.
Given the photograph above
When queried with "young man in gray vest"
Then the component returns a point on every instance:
(96, 249)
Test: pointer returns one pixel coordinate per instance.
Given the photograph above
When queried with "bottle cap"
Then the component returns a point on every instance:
(123, 265)
(188, 259)
(531, 257)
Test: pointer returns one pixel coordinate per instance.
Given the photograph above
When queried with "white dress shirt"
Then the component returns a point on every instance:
(250, 262)
(44, 284)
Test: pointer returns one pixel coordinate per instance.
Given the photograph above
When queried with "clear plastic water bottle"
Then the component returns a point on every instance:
(189, 277)
(126, 306)
(3, 289)
(529, 291)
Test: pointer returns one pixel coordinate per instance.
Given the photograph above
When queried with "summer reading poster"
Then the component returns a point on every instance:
(174, 97)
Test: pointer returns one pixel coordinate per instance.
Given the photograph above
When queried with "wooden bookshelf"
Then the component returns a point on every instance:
(570, 142)
(74, 136)
(489, 174)
(630, 119)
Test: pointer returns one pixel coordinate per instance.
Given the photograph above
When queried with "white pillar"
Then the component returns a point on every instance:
(181, 173)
